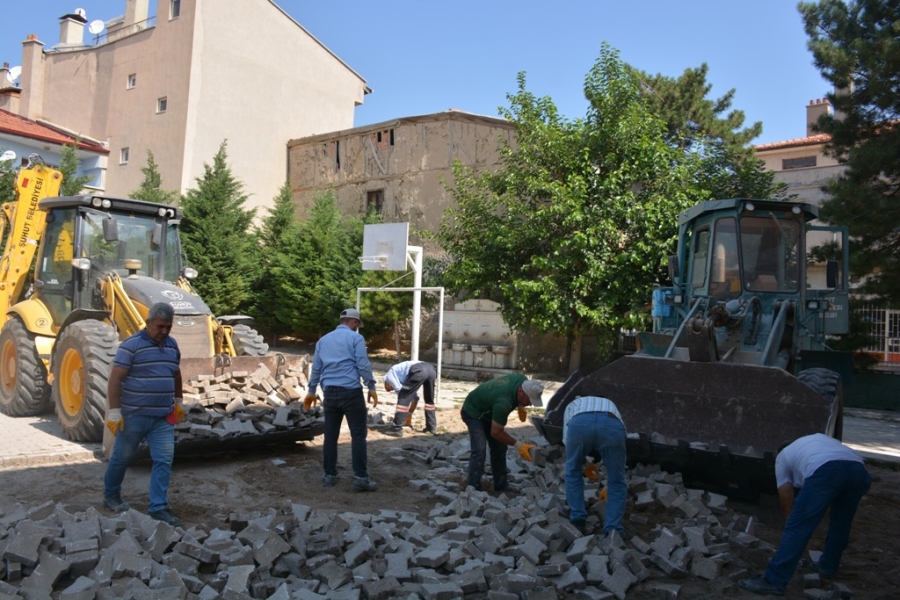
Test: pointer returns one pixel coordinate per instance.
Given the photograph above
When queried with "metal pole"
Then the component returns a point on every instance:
(414, 257)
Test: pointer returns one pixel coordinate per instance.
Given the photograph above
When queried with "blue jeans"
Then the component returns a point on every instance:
(839, 485)
(340, 403)
(160, 436)
(599, 432)
(480, 437)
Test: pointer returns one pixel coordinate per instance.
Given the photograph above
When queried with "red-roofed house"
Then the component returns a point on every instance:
(27, 136)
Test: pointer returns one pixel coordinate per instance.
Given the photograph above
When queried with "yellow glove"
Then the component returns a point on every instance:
(309, 401)
(179, 410)
(524, 450)
(523, 414)
(373, 398)
(591, 471)
(114, 421)
(601, 493)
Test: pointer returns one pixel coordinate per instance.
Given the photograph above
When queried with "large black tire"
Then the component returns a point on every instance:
(829, 385)
(81, 363)
(24, 391)
(248, 342)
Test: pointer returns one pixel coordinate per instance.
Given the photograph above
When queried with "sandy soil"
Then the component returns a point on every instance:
(205, 490)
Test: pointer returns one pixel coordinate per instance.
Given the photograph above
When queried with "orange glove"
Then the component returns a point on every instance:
(524, 450)
(523, 414)
(373, 398)
(601, 493)
(309, 401)
(408, 421)
(179, 410)
(591, 471)
(114, 421)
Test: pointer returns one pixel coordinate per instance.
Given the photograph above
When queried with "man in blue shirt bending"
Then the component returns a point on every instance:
(340, 361)
(144, 403)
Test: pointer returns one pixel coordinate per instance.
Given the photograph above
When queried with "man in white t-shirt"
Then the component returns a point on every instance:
(829, 475)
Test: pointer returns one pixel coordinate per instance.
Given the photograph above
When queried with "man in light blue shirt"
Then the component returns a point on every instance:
(340, 361)
(406, 378)
(593, 425)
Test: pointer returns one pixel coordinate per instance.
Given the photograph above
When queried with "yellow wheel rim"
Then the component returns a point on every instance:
(71, 382)
(8, 368)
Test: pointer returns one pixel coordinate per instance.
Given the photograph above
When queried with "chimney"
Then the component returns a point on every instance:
(71, 30)
(31, 101)
(816, 109)
(136, 11)
(4, 76)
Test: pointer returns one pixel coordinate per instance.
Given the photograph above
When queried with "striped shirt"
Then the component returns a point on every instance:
(149, 387)
(583, 404)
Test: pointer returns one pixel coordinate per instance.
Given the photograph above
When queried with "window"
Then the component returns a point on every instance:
(174, 9)
(162, 104)
(132, 81)
(798, 163)
(123, 156)
(375, 200)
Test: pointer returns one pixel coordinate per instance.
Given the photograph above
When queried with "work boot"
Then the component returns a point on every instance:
(430, 430)
(823, 573)
(393, 431)
(115, 503)
(580, 525)
(165, 515)
(329, 480)
(761, 586)
(364, 484)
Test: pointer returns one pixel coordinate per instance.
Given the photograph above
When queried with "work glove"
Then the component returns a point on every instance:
(523, 414)
(309, 401)
(591, 471)
(408, 420)
(373, 398)
(179, 410)
(114, 420)
(601, 493)
(524, 450)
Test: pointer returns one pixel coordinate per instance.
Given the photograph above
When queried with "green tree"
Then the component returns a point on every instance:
(150, 189)
(68, 166)
(573, 229)
(7, 179)
(726, 173)
(692, 117)
(856, 46)
(217, 239)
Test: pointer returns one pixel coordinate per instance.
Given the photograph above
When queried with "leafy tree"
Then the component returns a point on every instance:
(692, 117)
(7, 180)
(856, 46)
(68, 166)
(216, 237)
(573, 229)
(150, 189)
(725, 173)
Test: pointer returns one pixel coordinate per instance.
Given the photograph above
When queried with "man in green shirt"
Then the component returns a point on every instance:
(485, 413)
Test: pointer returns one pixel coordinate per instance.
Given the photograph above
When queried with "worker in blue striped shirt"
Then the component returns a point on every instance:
(593, 425)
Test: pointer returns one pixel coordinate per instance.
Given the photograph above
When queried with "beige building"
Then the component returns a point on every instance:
(183, 80)
(395, 166)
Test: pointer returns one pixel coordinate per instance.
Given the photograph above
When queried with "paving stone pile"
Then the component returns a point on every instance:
(241, 403)
(470, 545)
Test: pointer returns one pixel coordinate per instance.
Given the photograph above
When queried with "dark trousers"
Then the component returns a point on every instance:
(479, 438)
(421, 375)
(340, 403)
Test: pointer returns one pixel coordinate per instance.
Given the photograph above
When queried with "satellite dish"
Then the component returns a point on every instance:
(81, 13)
(8, 155)
(15, 76)
(96, 27)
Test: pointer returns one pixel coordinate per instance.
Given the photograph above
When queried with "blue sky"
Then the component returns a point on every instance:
(421, 57)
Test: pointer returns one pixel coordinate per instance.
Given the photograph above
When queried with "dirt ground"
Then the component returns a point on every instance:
(206, 489)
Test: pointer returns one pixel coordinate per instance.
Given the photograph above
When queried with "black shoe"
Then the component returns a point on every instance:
(759, 585)
(393, 431)
(430, 430)
(580, 525)
(329, 480)
(364, 484)
(509, 489)
(115, 503)
(823, 573)
(165, 515)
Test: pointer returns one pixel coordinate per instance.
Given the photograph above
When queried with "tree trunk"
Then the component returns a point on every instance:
(397, 339)
(575, 346)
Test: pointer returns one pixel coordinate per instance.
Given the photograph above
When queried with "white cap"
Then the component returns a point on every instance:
(534, 389)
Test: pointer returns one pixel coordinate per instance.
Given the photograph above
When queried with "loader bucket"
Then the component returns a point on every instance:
(719, 424)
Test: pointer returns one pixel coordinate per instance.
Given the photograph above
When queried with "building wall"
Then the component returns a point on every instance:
(404, 159)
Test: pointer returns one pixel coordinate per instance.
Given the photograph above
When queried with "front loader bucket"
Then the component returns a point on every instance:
(719, 424)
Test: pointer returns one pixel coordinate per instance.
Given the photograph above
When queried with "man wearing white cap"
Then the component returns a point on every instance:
(485, 413)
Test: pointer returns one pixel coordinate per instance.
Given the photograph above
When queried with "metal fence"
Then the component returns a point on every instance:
(884, 327)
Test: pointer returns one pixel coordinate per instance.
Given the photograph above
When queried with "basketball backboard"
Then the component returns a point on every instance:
(384, 247)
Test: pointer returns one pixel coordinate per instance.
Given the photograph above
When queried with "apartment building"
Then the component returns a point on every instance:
(179, 77)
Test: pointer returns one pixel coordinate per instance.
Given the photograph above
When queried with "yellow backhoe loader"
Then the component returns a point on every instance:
(77, 276)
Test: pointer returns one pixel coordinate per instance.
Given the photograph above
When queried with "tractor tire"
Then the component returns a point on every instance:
(827, 383)
(81, 364)
(248, 342)
(24, 391)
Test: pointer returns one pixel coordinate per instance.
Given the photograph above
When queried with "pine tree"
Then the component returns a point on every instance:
(150, 189)
(68, 166)
(217, 240)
